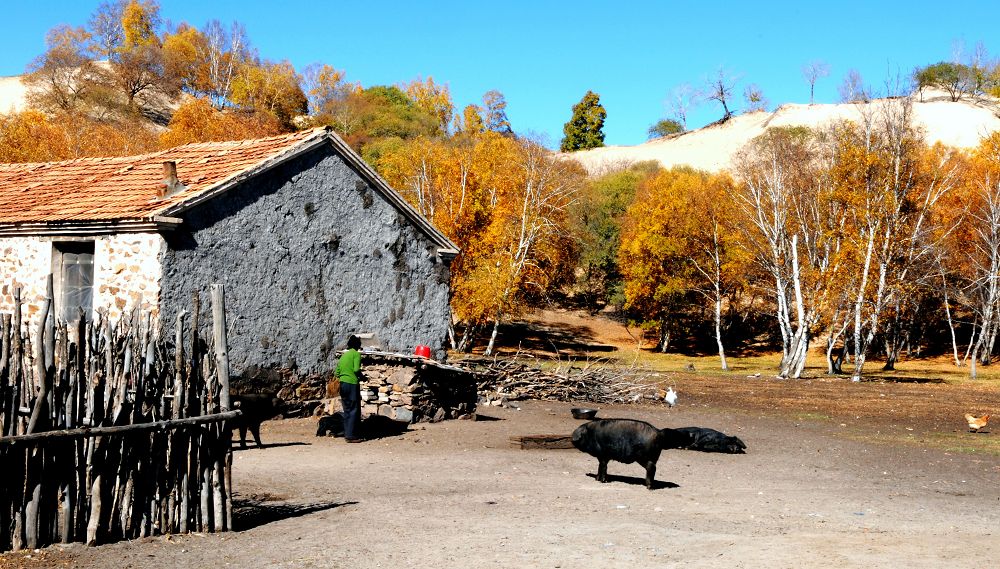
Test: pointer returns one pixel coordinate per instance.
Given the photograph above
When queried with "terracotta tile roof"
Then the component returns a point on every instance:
(125, 188)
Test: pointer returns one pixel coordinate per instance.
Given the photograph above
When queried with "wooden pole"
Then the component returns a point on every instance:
(219, 335)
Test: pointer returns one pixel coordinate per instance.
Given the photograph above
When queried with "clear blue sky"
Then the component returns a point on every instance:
(544, 55)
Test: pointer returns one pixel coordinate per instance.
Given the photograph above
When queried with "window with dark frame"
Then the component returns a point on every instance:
(73, 268)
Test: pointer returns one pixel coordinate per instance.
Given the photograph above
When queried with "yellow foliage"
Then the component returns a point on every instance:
(198, 121)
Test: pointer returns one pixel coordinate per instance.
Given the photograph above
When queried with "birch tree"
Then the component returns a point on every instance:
(791, 230)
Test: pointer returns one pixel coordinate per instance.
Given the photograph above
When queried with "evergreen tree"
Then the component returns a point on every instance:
(584, 129)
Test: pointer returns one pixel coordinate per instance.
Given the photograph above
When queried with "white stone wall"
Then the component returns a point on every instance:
(24, 262)
(127, 270)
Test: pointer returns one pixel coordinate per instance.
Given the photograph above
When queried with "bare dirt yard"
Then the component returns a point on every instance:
(837, 474)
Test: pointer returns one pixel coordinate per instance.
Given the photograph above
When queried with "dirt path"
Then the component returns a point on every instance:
(455, 494)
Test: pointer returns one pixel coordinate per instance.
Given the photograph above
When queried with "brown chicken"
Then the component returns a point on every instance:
(976, 423)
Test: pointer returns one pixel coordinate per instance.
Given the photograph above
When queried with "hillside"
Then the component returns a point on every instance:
(961, 124)
(12, 94)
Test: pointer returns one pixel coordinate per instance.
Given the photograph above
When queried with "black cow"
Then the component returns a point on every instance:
(628, 441)
(256, 408)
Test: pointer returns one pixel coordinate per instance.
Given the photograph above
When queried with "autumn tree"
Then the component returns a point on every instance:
(505, 200)
(784, 199)
(585, 128)
(433, 99)
(197, 120)
(272, 88)
(472, 120)
(494, 113)
(814, 71)
(65, 77)
(973, 248)
(889, 201)
(677, 249)
(140, 66)
(595, 221)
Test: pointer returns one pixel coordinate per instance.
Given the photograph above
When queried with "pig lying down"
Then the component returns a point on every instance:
(627, 441)
(710, 440)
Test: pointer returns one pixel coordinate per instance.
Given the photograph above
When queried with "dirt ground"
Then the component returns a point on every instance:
(457, 494)
(837, 474)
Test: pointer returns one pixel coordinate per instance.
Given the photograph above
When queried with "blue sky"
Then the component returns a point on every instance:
(544, 55)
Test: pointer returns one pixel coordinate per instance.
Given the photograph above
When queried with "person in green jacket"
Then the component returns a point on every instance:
(348, 372)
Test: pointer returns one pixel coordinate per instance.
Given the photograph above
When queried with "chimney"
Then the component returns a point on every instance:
(170, 184)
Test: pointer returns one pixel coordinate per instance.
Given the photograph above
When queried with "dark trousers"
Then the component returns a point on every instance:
(350, 400)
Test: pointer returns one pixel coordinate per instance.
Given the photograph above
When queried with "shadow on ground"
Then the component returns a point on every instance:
(252, 512)
(657, 484)
(550, 338)
(252, 446)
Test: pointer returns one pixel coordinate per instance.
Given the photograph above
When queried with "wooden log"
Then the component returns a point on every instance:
(121, 429)
(219, 336)
(16, 358)
(542, 441)
(96, 493)
(178, 391)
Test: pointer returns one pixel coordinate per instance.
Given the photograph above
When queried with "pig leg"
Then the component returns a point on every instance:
(650, 473)
(255, 431)
(602, 470)
(243, 436)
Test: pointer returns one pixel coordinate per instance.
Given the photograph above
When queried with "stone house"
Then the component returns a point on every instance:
(310, 242)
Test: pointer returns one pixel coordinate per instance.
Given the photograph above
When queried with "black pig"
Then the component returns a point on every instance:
(628, 441)
(256, 408)
(710, 440)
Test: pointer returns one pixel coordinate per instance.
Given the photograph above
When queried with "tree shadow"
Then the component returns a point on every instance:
(657, 484)
(252, 512)
(547, 339)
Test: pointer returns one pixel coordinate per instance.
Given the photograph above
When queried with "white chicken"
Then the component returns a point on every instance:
(670, 397)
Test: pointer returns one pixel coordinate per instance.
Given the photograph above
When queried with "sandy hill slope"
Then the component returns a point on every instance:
(960, 124)
(12, 94)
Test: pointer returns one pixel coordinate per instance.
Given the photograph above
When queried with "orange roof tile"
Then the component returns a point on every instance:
(125, 188)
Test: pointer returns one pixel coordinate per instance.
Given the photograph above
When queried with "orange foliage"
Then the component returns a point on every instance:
(198, 121)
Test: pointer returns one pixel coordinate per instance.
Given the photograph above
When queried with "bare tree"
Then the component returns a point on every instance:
(227, 50)
(680, 101)
(720, 89)
(812, 72)
(852, 88)
(65, 75)
(106, 27)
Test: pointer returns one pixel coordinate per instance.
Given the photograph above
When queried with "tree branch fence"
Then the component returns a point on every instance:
(110, 431)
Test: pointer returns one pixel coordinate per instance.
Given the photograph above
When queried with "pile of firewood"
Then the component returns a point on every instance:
(502, 380)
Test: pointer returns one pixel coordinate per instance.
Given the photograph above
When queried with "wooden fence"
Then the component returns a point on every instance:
(110, 431)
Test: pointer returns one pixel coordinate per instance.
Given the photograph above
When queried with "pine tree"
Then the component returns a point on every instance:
(584, 129)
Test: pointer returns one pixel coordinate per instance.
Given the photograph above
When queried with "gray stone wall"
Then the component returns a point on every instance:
(309, 254)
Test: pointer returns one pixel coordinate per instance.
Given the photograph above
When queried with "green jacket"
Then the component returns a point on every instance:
(348, 367)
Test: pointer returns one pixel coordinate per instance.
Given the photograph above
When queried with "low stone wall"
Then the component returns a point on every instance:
(403, 388)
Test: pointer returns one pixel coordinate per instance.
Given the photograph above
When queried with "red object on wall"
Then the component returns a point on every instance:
(423, 351)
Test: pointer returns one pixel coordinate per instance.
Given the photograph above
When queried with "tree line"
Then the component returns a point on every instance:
(857, 236)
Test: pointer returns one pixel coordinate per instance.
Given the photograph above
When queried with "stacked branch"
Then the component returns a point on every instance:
(503, 380)
(110, 431)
